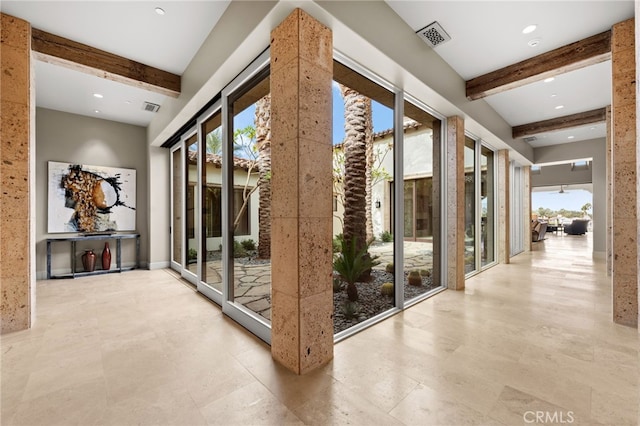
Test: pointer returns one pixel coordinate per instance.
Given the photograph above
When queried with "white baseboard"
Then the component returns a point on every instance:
(158, 265)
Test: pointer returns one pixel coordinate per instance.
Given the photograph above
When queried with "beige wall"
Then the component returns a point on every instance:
(78, 139)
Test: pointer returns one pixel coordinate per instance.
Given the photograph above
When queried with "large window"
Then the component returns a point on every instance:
(370, 125)
(386, 203)
(248, 145)
(421, 168)
(212, 213)
(363, 142)
(479, 210)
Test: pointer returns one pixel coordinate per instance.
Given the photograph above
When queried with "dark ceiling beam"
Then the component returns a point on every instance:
(589, 51)
(560, 123)
(70, 54)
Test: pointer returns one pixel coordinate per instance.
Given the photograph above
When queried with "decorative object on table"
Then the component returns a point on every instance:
(91, 199)
(89, 260)
(106, 257)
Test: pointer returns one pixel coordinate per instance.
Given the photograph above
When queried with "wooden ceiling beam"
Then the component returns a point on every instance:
(560, 123)
(590, 51)
(70, 54)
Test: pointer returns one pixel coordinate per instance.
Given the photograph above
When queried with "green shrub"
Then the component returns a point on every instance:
(337, 243)
(386, 236)
(192, 254)
(350, 309)
(337, 284)
(239, 250)
(386, 289)
(351, 264)
(249, 244)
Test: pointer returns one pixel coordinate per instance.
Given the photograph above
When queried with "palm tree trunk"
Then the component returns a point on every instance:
(357, 107)
(263, 141)
(368, 138)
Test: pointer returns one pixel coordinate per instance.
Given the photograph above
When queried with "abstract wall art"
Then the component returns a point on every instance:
(88, 199)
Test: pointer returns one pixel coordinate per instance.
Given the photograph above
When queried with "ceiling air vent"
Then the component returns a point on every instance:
(433, 34)
(530, 139)
(148, 106)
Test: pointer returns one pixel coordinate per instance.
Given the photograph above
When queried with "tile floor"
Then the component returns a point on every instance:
(533, 338)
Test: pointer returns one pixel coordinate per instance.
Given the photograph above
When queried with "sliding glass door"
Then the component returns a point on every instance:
(246, 195)
(210, 184)
(480, 202)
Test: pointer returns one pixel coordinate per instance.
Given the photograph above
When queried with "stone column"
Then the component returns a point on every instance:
(504, 220)
(624, 164)
(455, 203)
(609, 186)
(15, 136)
(302, 192)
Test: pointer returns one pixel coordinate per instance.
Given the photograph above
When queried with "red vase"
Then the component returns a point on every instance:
(89, 260)
(106, 257)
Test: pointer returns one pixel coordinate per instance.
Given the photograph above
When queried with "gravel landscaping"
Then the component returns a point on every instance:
(370, 301)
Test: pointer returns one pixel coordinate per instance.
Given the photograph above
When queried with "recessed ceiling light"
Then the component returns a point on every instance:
(127, 102)
(534, 42)
(160, 11)
(97, 111)
(553, 95)
(529, 29)
(592, 128)
(98, 95)
(560, 107)
(549, 80)
(570, 137)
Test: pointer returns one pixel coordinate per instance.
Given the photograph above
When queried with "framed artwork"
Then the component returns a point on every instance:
(89, 199)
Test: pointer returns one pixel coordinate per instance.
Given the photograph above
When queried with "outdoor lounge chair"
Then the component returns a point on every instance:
(576, 227)
(538, 231)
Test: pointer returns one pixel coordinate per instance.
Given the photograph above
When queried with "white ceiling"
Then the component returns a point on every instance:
(131, 29)
(485, 36)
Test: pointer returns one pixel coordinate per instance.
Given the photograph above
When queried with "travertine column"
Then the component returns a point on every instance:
(301, 205)
(15, 247)
(609, 186)
(455, 203)
(504, 220)
(625, 189)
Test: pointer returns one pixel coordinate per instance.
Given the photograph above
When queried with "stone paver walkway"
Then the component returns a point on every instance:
(253, 281)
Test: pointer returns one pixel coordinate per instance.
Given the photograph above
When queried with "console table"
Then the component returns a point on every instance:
(73, 240)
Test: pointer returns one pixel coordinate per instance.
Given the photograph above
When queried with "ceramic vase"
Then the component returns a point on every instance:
(106, 257)
(89, 260)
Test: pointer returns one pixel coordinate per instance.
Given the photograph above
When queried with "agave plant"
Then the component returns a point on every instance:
(351, 264)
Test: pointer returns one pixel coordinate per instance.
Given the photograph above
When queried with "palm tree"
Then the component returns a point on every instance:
(263, 142)
(357, 117)
(214, 142)
(368, 139)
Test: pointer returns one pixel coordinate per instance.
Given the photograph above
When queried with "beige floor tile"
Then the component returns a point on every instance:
(425, 406)
(615, 409)
(341, 406)
(162, 407)
(290, 389)
(515, 407)
(250, 405)
(145, 348)
(74, 404)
